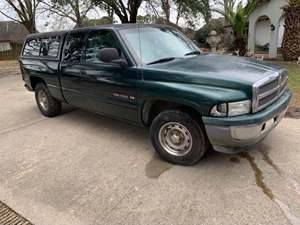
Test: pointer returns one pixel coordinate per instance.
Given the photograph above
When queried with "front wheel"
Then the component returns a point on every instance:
(178, 138)
(48, 105)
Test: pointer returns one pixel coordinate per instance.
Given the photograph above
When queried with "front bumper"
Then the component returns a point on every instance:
(232, 134)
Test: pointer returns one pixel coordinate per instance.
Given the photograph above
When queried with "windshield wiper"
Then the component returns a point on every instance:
(193, 53)
(167, 59)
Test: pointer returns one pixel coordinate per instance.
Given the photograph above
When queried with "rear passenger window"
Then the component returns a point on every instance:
(50, 46)
(32, 47)
(74, 48)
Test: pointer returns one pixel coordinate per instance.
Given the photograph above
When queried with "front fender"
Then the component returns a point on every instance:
(199, 97)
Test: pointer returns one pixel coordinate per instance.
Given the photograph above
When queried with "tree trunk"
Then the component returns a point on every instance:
(133, 16)
(133, 6)
(291, 38)
(30, 26)
(166, 8)
(178, 13)
(226, 2)
(240, 45)
(124, 19)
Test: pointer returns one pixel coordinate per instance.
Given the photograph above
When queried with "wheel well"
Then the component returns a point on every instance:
(159, 106)
(35, 80)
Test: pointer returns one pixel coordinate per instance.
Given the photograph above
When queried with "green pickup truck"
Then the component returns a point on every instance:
(153, 76)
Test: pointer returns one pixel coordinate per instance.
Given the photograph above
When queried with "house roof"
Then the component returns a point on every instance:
(12, 32)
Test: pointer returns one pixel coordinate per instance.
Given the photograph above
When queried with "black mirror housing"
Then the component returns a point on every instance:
(111, 55)
(108, 54)
(122, 62)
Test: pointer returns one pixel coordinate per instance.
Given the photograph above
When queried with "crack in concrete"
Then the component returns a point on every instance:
(21, 126)
(259, 178)
(290, 181)
(120, 201)
(287, 212)
(267, 159)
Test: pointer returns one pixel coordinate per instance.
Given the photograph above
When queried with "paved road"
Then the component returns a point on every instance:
(80, 168)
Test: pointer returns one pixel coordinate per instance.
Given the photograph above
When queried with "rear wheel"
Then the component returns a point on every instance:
(48, 105)
(178, 138)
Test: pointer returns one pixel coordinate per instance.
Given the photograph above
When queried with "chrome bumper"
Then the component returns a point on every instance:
(233, 139)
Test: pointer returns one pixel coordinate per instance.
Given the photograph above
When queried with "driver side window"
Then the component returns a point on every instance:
(74, 47)
(96, 41)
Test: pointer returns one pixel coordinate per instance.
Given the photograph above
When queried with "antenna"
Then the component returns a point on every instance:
(140, 45)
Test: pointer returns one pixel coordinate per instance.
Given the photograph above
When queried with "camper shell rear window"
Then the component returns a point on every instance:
(43, 46)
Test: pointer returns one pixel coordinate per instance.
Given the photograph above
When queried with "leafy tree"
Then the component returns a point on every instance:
(238, 17)
(192, 9)
(110, 11)
(291, 38)
(25, 11)
(127, 12)
(75, 10)
(147, 19)
(97, 22)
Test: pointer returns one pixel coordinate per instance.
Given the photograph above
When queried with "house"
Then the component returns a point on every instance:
(12, 35)
(266, 27)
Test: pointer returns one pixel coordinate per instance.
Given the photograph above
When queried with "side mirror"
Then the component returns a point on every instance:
(122, 62)
(111, 55)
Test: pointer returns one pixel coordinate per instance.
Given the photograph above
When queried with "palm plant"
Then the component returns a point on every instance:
(237, 16)
(291, 38)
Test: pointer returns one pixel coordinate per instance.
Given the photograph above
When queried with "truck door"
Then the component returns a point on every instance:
(108, 88)
(71, 69)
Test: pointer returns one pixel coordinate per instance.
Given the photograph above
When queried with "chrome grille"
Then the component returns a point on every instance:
(264, 88)
(269, 89)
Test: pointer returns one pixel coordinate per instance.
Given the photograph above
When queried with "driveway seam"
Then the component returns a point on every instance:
(21, 126)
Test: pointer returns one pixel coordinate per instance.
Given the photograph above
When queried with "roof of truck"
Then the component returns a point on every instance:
(107, 26)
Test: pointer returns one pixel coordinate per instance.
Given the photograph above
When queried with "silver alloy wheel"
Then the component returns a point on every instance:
(175, 139)
(43, 100)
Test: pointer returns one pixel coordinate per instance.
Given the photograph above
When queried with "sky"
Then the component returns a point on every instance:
(54, 22)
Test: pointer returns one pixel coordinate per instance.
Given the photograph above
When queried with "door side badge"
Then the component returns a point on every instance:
(124, 96)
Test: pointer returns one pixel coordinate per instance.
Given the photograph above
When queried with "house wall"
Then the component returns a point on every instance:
(272, 10)
(280, 33)
(4, 46)
(262, 32)
(12, 53)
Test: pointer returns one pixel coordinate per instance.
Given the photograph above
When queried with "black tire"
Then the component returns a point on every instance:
(169, 119)
(53, 106)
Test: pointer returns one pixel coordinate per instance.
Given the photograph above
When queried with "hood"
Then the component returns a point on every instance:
(212, 69)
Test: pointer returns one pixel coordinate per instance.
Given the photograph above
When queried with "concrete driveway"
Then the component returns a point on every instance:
(80, 168)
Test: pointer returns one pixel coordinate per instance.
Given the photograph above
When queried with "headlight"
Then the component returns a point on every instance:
(231, 109)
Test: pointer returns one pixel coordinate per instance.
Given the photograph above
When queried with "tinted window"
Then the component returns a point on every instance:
(50, 46)
(74, 47)
(98, 40)
(32, 47)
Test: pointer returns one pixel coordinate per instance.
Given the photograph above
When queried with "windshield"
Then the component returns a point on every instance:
(154, 44)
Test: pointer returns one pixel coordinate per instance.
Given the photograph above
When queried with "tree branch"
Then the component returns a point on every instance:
(18, 21)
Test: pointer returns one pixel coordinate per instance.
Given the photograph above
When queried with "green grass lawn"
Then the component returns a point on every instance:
(294, 79)
(294, 74)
